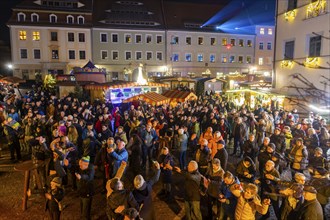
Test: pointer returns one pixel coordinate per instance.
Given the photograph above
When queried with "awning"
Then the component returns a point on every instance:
(180, 96)
(150, 97)
(12, 80)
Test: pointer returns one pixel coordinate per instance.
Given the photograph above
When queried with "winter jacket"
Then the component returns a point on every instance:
(246, 209)
(86, 182)
(119, 156)
(322, 185)
(119, 198)
(222, 155)
(279, 141)
(300, 157)
(192, 186)
(216, 178)
(310, 210)
(183, 142)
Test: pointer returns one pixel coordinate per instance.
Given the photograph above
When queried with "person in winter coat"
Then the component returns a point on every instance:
(248, 203)
(134, 149)
(268, 154)
(311, 208)
(278, 140)
(166, 164)
(222, 154)
(203, 156)
(10, 131)
(299, 155)
(120, 154)
(239, 134)
(250, 148)
(317, 160)
(214, 176)
(54, 196)
(246, 170)
(192, 185)
(182, 148)
(292, 201)
(149, 138)
(104, 134)
(119, 200)
(143, 194)
(120, 135)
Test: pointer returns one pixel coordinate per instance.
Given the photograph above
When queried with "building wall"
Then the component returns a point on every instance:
(45, 45)
(300, 29)
(178, 46)
(264, 48)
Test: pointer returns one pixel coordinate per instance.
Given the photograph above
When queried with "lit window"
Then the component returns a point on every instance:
(34, 17)
(175, 57)
(54, 54)
(115, 55)
(241, 42)
(249, 43)
(149, 55)
(22, 35)
(240, 59)
(200, 41)
(21, 16)
(188, 57)
(270, 31)
(128, 38)
(223, 58)
(212, 58)
(262, 30)
(261, 61)
(128, 55)
(159, 56)
(24, 54)
(232, 42)
(175, 40)
(232, 59)
(70, 19)
(52, 18)
(200, 58)
(104, 54)
(138, 55)
(248, 59)
(36, 35)
(261, 46)
(213, 41)
(81, 20)
(224, 41)
(269, 46)
(188, 40)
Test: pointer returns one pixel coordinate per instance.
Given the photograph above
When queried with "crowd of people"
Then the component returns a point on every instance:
(280, 160)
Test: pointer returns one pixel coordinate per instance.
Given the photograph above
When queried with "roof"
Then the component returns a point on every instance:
(151, 98)
(122, 84)
(90, 64)
(178, 95)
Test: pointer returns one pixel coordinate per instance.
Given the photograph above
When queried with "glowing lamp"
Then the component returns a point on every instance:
(228, 46)
(290, 15)
(312, 62)
(316, 8)
(140, 79)
(287, 64)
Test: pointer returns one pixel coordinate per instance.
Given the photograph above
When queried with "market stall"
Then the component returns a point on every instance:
(176, 96)
(152, 98)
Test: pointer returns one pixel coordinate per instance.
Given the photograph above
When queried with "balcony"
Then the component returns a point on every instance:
(316, 8)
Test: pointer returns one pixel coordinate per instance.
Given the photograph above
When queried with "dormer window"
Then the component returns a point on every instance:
(69, 19)
(52, 18)
(34, 17)
(21, 16)
(81, 20)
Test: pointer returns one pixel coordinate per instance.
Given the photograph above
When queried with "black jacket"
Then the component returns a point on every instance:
(192, 186)
(86, 183)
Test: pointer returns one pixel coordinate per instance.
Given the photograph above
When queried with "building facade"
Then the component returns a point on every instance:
(302, 46)
(50, 36)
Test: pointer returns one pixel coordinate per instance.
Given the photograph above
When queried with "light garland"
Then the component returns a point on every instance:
(314, 9)
(312, 62)
(290, 15)
(287, 64)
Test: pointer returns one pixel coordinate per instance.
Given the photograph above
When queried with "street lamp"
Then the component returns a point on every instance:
(10, 66)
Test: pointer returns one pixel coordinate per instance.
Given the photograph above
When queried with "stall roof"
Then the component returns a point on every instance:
(12, 80)
(256, 91)
(177, 95)
(151, 98)
(123, 84)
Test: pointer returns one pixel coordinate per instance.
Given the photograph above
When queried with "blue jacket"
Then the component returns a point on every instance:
(153, 134)
(119, 156)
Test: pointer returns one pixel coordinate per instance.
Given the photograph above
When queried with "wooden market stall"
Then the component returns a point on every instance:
(176, 96)
(151, 98)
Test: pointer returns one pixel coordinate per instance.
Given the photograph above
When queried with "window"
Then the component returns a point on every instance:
(232, 59)
(249, 43)
(188, 40)
(72, 54)
(261, 61)
(240, 59)
(104, 37)
(104, 54)
(53, 36)
(82, 54)
(270, 31)
(148, 39)
(213, 41)
(289, 50)
(81, 37)
(224, 58)
(175, 40)
(128, 38)
(212, 58)
(25, 74)
(114, 38)
(200, 41)
(69, 19)
(128, 55)
(81, 20)
(241, 42)
(261, 46)
(292, 4)
(188, 57)
(159, 39)
(54, 54)
(175, 57)
(149, 55)
(22, 35)
(159, 56)
(200, 58)
(36, 35)
(232, 42)
(36, 54)
(24, 54)
(262, 31)
(269, 46)
(52, 18)
(71, 37)
(115, 55)
(21, 16)
(138, 39)
(138, 55)
(34, 17)
(224, 41)
(315, 46)
(248, 59)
